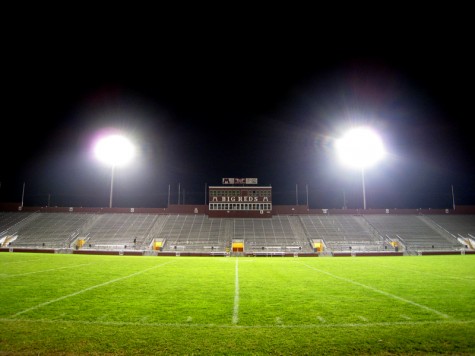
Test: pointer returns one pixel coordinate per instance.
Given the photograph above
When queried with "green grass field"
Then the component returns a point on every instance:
(85, 304)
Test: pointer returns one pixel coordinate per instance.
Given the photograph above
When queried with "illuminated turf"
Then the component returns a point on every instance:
(225, 305)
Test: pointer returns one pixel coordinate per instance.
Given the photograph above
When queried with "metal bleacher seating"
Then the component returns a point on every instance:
(10, 222)
(196, 233)
(49, 230)
(119, 231)
(277, 234)
(9, 219)
(461, 227)
(456, 225)
(415, 232)
(199, 233)
(342, 232)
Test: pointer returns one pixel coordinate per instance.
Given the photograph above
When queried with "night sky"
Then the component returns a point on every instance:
(201, 105)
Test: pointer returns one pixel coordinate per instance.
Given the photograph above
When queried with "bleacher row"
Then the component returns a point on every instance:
(199, 233)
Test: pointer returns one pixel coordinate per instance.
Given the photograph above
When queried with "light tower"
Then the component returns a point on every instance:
(360, 148)
(114, 150)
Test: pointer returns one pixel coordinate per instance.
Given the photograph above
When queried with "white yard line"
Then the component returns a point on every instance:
(43, 270)
(88, 289)
(236, 294)
(379, 291)
(269, 326)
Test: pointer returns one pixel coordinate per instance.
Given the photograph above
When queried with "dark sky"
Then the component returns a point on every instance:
(208, 102)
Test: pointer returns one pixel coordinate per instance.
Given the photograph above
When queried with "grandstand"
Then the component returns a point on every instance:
(189, 230)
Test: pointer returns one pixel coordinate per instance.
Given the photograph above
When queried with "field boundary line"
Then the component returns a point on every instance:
(44, 270)
(230, 326)
(90, 288)
(379, 291)
(236, 294)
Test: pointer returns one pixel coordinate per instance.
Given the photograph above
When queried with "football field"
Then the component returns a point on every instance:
(90, 304)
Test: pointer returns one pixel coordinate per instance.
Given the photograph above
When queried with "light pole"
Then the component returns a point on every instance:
(115, 150)
(360, 148)
(112, 185)
(364, 189)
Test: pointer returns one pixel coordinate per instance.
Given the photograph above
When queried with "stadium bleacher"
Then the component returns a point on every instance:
(414, 232)
(343, 232)
(197, 233)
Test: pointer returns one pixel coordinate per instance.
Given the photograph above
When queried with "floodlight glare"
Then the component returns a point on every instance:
(114, 150)
(360, 148)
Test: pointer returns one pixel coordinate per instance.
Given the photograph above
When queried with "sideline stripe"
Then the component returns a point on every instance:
(88, 289)
(379, 291)
(225, 326)
(44, 270)
(236, 294)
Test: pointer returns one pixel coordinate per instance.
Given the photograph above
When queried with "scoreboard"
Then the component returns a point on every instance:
(245, 200)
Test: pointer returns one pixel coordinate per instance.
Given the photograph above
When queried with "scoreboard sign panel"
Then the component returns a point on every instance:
(239, 200)
(239, 180)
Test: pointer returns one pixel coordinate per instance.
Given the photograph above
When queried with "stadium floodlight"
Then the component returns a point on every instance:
(360, 148)
(115, 150)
